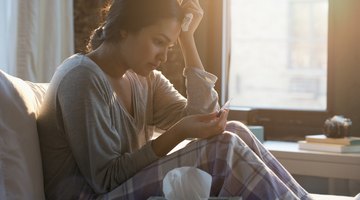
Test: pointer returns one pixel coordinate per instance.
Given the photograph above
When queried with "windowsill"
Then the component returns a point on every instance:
(312, 163)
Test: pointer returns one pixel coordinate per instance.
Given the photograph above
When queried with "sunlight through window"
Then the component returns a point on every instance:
(279, 54)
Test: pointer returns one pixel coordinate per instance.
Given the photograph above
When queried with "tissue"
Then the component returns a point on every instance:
(187, 183)
(186, 22)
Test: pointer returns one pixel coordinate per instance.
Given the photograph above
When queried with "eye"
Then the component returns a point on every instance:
(163, 43)
(171, 48)
(159, 42)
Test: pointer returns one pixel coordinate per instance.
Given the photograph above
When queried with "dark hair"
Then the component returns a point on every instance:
(132, 16)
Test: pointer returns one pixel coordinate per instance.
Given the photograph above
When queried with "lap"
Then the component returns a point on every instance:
(232, 157)
(201, 154)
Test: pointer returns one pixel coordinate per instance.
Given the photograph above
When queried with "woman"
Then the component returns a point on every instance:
(98, 116)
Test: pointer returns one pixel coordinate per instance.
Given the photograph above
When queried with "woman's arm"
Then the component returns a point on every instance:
(169, 105)
(166, 105)
(94, 132)
(201, 98)
(186, 39)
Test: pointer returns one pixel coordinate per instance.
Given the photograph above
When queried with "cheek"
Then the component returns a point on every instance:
(149, 50)
(139, 53)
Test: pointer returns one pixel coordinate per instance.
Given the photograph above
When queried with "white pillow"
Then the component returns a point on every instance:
(20, 160)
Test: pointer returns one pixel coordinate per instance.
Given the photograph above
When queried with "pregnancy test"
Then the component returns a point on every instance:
(225, 106)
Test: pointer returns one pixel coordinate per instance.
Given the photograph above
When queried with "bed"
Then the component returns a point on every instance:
(20, 160)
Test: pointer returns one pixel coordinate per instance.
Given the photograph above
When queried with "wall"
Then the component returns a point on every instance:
(86, 19)
(319, 185)
(344, 59)
(209, 38)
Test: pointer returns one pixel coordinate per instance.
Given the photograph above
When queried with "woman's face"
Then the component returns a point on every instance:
(145, 50)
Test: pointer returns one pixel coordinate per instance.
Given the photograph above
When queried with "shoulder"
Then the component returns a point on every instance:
(79, 72)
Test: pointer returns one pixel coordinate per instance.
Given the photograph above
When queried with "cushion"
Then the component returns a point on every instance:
(20, 160)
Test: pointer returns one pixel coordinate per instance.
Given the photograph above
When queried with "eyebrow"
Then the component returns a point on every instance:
(167, 38)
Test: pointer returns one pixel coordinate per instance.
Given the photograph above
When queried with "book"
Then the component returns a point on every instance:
(337, 148)
(324, 139)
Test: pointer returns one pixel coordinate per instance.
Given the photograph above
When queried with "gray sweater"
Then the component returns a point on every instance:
(89, 142)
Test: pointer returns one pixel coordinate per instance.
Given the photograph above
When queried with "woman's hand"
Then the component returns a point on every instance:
(201, 126)
(186, 38)
(194, 126)
(193, 7)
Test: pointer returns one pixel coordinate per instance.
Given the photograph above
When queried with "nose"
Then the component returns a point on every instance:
(163, 55)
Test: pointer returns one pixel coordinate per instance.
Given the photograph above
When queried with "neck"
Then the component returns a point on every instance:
(110, 63)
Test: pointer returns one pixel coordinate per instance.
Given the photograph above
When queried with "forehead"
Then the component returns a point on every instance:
(166, 27)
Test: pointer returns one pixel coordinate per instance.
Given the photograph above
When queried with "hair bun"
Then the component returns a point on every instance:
(96, 39)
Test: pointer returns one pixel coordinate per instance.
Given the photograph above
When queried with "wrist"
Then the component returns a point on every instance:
(165, 142)
(190, 53)
(177, 134)
(186, 38)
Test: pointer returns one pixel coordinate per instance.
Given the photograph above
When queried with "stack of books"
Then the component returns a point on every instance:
(323, 143)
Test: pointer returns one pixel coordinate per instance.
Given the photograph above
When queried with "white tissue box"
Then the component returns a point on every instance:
(210, 198)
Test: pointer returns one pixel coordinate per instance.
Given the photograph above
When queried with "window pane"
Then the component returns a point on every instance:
(279, 54)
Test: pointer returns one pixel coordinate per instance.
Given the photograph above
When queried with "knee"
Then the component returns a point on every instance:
(226, 139)
(235, 126)
(227, 136)
(241, 130)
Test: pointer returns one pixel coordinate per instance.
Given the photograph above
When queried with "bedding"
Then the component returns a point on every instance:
(20, 162)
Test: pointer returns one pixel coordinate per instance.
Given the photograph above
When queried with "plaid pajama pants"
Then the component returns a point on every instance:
(238, 163)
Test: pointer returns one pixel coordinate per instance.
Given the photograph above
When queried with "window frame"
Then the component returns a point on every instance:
(279, 124)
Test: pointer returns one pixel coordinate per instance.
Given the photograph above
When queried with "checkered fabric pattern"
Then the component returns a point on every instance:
(238, 163)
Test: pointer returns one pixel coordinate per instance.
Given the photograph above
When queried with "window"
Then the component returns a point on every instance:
(278, 70)
(279, 49)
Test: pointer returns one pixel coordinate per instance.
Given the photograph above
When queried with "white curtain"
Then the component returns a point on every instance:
(38, 36)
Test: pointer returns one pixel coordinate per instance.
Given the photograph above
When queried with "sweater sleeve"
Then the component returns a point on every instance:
(85, 105)
(170, 106)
